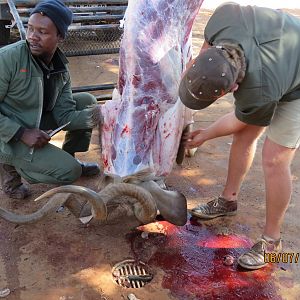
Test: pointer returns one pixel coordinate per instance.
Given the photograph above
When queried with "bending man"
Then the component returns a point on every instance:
(254, 53)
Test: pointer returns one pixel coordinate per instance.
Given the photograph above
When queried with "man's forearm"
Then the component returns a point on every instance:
(226, 125)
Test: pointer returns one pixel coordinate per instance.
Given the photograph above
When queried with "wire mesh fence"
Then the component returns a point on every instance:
(95, 28)
(92, 41)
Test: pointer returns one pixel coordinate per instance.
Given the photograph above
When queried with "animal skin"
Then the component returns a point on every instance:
(144, 121)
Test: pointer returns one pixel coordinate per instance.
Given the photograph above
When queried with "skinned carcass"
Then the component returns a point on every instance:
(144, 121)
(142, 125)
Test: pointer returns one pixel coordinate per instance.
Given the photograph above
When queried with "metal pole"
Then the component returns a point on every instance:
(89, 88)
(16, 16)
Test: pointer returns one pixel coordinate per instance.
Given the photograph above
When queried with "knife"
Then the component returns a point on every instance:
(55, 131)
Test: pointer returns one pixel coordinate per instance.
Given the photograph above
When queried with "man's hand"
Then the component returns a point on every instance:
(194, 139)
(226, 125)
(35, 138)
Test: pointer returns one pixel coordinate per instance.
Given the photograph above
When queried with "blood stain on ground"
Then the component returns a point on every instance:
(192, 258)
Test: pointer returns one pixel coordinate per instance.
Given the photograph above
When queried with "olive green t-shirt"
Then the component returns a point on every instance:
(271, 43)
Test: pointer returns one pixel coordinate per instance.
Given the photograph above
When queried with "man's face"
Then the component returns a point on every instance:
(42, 36)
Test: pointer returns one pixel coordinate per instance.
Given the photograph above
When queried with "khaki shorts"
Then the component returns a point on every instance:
(285, 125)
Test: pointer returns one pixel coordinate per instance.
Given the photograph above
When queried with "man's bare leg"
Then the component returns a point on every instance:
(278, 183)
(240, 160)
(242, 153)
(276, 165)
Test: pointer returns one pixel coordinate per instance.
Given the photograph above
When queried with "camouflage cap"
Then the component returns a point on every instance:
(210, 77)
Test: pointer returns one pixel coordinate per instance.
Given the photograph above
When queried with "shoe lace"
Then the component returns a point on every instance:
(259, 247)
(215, 202)
(206, 208)
(264, 246)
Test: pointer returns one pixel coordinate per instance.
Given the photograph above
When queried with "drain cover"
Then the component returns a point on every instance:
(131, 274)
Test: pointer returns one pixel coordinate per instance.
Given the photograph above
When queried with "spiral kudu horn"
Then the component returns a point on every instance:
(171, 205)
(144, 206)
(98, 207)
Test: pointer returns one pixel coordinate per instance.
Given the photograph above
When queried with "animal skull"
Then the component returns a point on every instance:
(145, 197)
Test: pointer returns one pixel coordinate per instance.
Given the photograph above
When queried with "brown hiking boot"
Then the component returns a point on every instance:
(216, 208)
(11, 183)
(256, 258)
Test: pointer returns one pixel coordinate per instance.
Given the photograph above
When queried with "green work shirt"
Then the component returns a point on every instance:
(271, 43)
(22, 96)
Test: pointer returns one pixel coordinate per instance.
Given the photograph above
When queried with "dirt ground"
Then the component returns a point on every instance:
(61, 259)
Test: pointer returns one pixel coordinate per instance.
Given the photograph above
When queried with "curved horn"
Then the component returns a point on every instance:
(146, 209)
(109, 179)
(75, 206)
(99, 208)
(34, 217)
(172, 205)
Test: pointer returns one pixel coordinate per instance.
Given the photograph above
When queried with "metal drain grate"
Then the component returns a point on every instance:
(131, 274)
